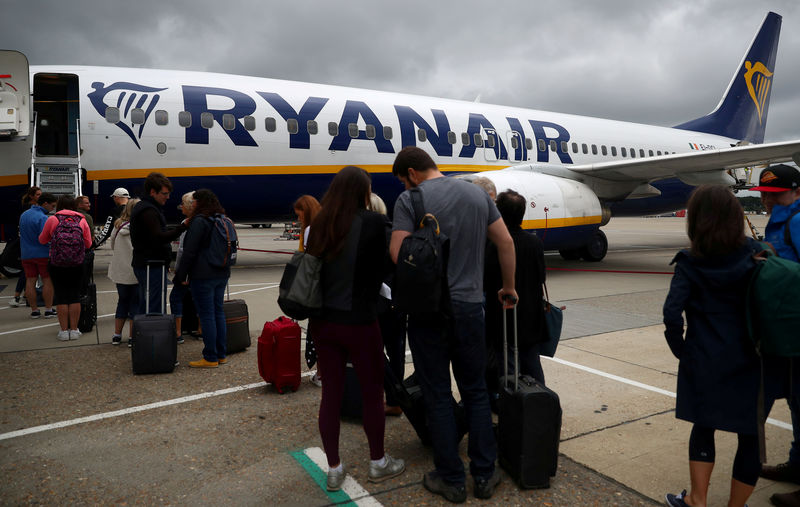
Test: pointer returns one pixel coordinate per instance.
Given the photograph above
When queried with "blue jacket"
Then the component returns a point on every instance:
(776, 229)
(31, 224)
(719, 371)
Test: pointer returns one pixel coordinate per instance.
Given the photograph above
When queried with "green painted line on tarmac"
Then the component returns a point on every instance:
(321, 478)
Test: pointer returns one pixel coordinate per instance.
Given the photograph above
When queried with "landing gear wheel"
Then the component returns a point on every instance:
(596, 249)
(570, 255)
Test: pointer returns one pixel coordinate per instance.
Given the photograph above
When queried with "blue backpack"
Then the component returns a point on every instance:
(223, 243)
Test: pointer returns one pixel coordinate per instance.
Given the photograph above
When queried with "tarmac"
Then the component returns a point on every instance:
(77, 427)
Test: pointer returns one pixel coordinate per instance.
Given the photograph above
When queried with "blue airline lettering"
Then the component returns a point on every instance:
(521, 151)
(195, 101)
(539, 133)
(309, 111)
(476, 121)
(354, 109)
(409, 118)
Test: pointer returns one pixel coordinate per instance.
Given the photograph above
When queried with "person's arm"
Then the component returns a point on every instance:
(402, 226)
(152, 224)
(674, 305)
(498, 234)
(397, 240)
(47, 231)
(192, 243)
(87, 233)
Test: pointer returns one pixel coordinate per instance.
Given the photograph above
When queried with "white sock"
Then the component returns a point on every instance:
(379, 462)
(337, 468)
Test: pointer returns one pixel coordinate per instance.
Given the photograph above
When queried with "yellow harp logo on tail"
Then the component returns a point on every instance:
(758, 79)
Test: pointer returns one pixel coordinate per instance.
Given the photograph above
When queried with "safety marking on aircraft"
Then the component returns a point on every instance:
(133, 410)
(315, 463)
(774, 422)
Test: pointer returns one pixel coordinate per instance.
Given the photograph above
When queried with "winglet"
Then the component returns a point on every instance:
(742, 112)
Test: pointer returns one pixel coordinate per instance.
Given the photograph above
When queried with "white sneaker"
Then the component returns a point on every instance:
(74, 334)
(14, 302)
(63, 335)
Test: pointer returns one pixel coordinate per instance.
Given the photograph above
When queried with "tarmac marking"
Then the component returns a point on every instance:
(315, 463)
(774, 422)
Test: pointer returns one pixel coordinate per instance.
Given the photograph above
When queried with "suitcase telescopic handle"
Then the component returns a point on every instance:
(513, 309)
(163, 284)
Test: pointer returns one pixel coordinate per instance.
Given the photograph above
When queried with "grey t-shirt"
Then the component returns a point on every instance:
(464, 211)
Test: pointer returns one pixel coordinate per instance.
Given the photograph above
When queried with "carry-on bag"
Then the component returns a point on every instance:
(529, 424)
(88, 316)
(154, 345)
(279, 354)
(237, 322)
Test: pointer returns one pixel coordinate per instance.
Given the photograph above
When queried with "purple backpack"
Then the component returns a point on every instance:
(66, 245)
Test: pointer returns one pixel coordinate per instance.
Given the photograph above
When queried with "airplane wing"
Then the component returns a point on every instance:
(667, 166)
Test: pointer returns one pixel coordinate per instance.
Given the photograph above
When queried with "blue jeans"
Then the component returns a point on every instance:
(433, 350)
(176, 299)
(158, 279)
(208, 295)
(127, 301)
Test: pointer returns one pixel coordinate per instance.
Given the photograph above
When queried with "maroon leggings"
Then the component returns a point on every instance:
(362, 344)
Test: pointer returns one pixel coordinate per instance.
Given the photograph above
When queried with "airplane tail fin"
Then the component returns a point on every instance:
(742, 112)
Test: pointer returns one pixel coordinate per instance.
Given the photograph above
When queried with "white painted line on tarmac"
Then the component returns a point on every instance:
(774, 422)
(133, 410)
(350, 487)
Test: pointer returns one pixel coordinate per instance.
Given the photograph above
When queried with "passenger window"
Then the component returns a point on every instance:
(387, 133)
(249, 123)
(658, 153)
(228, 121)
(564, 147)
(514, 143)
(185, 119)
(465, 139)
(451, 137)
(478, 140)
(352, 130)
(603, 150)
(613, 151)
(270, 124)
(312, 127)
(137, 116)
(112, 114)
(162, 117)
(633, 153)
(650, 152)
(206, 120)
(541, 144)
(370, 131)
(624, 152)
(552, 145)
(574, 147)
(422, 135)
(585, 148)
(529, 143)
(292, 126)
(594, 149)
(490, 141)
(641, 152)
(333, 128)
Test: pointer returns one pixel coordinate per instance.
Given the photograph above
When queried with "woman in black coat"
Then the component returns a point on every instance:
(719, 371)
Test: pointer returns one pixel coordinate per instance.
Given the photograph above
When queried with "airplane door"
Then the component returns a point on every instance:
(55, 100)
(490, 144)
(516, 149)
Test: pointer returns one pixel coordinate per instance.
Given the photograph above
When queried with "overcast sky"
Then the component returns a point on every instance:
(660, 62)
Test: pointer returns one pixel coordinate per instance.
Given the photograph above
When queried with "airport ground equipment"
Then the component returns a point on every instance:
(279, 354)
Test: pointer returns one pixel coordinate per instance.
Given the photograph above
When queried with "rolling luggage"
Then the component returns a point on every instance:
(154, 345)
(88, 316)
(237, 322)
(529, 425)
(279, 354)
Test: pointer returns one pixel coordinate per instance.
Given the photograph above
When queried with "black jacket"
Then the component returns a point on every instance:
(528, 278)
(149, 234)
(194, 263)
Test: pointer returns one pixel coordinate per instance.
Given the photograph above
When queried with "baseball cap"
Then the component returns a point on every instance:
(120, 192)
(778, 178)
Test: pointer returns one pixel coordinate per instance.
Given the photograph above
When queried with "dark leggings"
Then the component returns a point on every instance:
(746, 464)
(362, 344)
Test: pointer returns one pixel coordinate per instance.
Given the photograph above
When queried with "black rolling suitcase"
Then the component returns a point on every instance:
(154, 345)
(88, 316)
(237, 322)
(529, 424)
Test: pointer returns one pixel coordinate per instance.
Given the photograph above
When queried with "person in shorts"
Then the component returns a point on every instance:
(35, 255)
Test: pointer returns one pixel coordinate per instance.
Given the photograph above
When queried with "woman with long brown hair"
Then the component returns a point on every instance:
(306, 207)
(352, 243)
(719, 371)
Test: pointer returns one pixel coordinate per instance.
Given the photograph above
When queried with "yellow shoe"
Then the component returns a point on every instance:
(222, 360)
(203, 364)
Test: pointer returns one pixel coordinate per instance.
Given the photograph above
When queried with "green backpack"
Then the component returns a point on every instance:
(773, 305)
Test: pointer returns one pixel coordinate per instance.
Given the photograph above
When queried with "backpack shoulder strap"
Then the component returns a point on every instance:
(419, 206)
(787, 234)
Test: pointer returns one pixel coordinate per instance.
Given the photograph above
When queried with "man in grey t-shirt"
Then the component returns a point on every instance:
(467, 216)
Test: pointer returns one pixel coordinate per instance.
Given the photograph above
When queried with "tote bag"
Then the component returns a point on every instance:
(300, 293)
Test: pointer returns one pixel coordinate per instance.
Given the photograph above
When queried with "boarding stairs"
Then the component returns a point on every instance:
(58, 175)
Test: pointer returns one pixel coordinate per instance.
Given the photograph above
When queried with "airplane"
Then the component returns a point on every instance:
(260, 143)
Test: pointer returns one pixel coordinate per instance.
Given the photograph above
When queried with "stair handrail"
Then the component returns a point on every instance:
(78, 138)
(33, 149)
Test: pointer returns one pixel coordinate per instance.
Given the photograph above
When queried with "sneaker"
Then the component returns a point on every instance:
(222, 360)
(14, 302)
(455, 493)
(336, 479)
(484, 488)
(130, 342)
(116, 340)
(63, 335)
(677, 500)
(203, 364)
(74, 334)
(180, 339)
(392, 468)
(49, 314)
(785, 472)
(36, 314)
(785, 499)
(316, 379)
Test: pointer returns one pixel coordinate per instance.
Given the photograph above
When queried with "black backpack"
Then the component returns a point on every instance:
(223, 242)
(420, 284)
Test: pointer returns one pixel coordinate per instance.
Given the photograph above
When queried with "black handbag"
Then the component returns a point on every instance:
(553, 320)
(300, 293)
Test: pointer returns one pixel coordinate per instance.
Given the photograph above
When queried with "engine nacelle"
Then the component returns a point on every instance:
(565, 214)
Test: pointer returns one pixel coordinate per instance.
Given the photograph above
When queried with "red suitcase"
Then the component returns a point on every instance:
(279, 354)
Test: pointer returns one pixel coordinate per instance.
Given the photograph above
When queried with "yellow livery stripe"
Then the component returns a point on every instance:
(551, 223)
